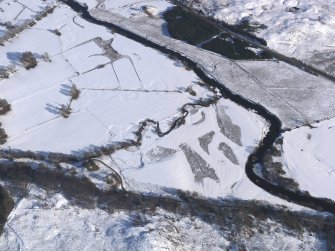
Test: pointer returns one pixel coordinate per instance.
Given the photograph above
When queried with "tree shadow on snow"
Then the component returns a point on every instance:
(66, 90)
(14, 58)
(55, 109)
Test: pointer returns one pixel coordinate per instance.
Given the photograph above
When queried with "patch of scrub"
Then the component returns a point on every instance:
(228, 152)
(324, 60)
(158, 153)
(227, 128)
(6, 206)
(188, 27)
(205, 140)
(200, 168)
(234, 48)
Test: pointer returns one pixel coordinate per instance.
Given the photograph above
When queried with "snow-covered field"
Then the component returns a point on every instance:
(300, 29)
(206, 155)
(17, 12)
(138, 84)
(309, 157)
(195, 139)
(135, 83)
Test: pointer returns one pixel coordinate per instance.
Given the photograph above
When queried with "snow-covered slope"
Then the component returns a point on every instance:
(43, 221)
(52, 220)
(300, 29)
(309, 157)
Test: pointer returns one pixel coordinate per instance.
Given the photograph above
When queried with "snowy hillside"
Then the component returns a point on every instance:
(301, 29)
(44, 221)
(314, 169)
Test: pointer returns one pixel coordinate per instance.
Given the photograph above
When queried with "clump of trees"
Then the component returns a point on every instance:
(3, 136)
(28, 60)
(74, 92)
(190, 90)
(5, 71)
(234, 48)
(65, 110)
(92, 166)
(6, 206)
(186, 26)
(4, 106)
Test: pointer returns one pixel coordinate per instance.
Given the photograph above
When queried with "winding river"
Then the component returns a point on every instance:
(266, 143)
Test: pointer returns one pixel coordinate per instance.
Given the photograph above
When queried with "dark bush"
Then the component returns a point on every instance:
(4, 73)
(188, 27)
(233, 48)
(57, 32)
(28, 60)
(4, 106)
(6, 206)
(246, 25)
(65, 110)
(92, 166)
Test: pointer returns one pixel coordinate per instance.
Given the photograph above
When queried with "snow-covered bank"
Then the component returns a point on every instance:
(309, 157)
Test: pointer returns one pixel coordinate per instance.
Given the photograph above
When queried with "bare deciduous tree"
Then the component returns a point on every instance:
(74, 92)
(65, 110)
